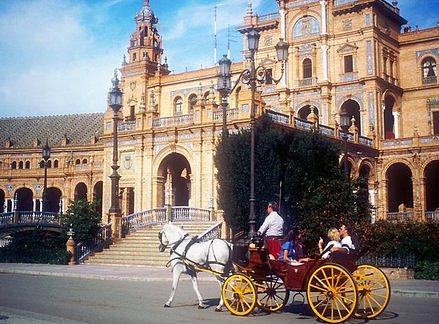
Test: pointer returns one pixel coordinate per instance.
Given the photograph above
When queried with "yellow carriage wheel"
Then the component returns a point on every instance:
(239, 295)
(373, 291)
(272, 293)
(332, 293)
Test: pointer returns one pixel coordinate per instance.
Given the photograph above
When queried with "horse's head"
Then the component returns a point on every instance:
(169, 235)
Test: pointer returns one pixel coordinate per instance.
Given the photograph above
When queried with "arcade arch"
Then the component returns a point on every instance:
(352, 108)
(53, 198)
(431, 175)
(175, 189)
(97, 195)
(399, 187)
(24, 197)
(80, 191)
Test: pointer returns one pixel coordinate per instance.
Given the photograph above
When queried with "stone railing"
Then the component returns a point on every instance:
(29, 218)
(161, 215)
(230, 113)
(429, 80)
(277, 117)
(173, 121)
(351, 76)
(307, 82)
(270, 16)
(211, 233)
(400, 216)
(432, 215)
(126, 126)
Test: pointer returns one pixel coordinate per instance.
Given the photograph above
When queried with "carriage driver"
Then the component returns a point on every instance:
(272, 228)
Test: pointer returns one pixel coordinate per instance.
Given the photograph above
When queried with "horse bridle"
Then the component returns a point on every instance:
(163, 247)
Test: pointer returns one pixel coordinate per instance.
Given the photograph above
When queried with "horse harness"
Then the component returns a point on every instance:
(192, 266)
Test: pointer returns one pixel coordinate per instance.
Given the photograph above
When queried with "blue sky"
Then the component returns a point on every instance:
(58, 55)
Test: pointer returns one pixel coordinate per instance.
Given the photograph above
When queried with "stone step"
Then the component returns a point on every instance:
(127, 263)
(128, 257)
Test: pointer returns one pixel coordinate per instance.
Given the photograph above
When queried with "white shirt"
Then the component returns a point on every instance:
(346, 243)
(334, 244)
(273, 225)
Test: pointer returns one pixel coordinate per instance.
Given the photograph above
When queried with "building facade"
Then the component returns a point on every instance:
(357, 57)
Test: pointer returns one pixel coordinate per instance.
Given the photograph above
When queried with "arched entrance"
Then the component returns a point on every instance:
(97, 195)
(81, 191)
(175, 171)
(2, 201)
(53, 198)
(389, 121)
(399, 188)
(352, 108)
(24, 198)
(431, 175)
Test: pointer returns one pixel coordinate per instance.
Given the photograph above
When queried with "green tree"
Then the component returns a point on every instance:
(299, 169)
(82, 216)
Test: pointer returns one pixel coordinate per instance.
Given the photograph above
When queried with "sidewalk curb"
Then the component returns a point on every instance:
(101, 277)
(415, 293)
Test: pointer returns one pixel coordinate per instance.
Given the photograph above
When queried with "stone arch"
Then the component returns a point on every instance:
(399, 187)
(431, 175)
(367, 165)
(2, 201)
(173, 177)
(192, 101)
(353, 109)
(53, 199)
(80, 191)
(352, 167)
(305, 110)
(24, 199)
(97, 195)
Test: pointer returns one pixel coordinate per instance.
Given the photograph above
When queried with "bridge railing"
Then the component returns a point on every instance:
(102, 240)
(29, 218)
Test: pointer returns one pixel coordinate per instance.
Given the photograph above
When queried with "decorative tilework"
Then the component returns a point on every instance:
(369, 57)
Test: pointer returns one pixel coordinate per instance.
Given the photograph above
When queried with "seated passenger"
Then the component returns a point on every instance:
(334, 241)
(288, 252)
(347, 246)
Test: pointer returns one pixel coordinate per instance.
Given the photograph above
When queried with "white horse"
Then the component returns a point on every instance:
(187, 254)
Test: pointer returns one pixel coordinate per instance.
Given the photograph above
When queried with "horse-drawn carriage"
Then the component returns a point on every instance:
(336, 288)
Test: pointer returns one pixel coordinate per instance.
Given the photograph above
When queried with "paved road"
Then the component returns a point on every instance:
(47, 299)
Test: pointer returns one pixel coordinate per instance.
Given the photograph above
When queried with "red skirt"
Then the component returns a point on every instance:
(273, 246)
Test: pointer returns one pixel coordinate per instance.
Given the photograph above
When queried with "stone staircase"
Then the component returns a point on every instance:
(141, 248)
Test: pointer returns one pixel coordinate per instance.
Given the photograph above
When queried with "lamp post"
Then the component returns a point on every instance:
(224, 87)
(46, 157)
(344, 124)
(115, 102)
(252, 77)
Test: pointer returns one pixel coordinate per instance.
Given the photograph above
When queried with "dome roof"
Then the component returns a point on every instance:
(146, 14)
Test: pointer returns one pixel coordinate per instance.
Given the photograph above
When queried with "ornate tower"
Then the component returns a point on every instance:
(144, 61)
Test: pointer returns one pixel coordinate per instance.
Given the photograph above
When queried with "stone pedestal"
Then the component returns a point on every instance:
(70, 245)
(116, 225)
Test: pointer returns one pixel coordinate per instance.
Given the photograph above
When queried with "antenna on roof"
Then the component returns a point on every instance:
(215, 36)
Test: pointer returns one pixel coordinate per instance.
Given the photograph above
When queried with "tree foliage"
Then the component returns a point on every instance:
(82, 216)
(298, 169)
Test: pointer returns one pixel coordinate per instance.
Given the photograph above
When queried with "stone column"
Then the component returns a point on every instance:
(323, 7)
(297, 63)
(5, 205)
(396, 123)
(325, 61)
(34, 203)
(423, 199)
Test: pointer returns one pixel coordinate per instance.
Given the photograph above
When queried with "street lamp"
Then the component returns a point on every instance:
(224, 87)
(344, 124)
(251, 76)
(115, 102)
(46, 157)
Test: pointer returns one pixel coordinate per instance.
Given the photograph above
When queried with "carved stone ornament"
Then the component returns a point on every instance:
(133, 85)
(127, 162)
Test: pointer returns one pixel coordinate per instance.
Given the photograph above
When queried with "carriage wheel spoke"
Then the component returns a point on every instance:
(317, 287)
(345, 298)
(338, 309)
(321, 282)
(376, 302)
(326, 277)
(342, 303)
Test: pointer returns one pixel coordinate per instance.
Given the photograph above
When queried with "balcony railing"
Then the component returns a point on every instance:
(277, 117)
(173, 121)
(307, 82)
(231, 114)
(432, 215)
(400, 216)
(351, 76)
(270, 16)
(429, 80)
(126, 126)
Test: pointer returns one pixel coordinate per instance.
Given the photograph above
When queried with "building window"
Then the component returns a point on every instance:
(78, 161)
(307, 68)
(348, 64)
(134, 57)
(14, 165)
(178, 106)
(132, 110)
(192, 101)
(27, 165)
(84, 161)
(429, 70)
(20, 165)
(436, 123)
(55, 164)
